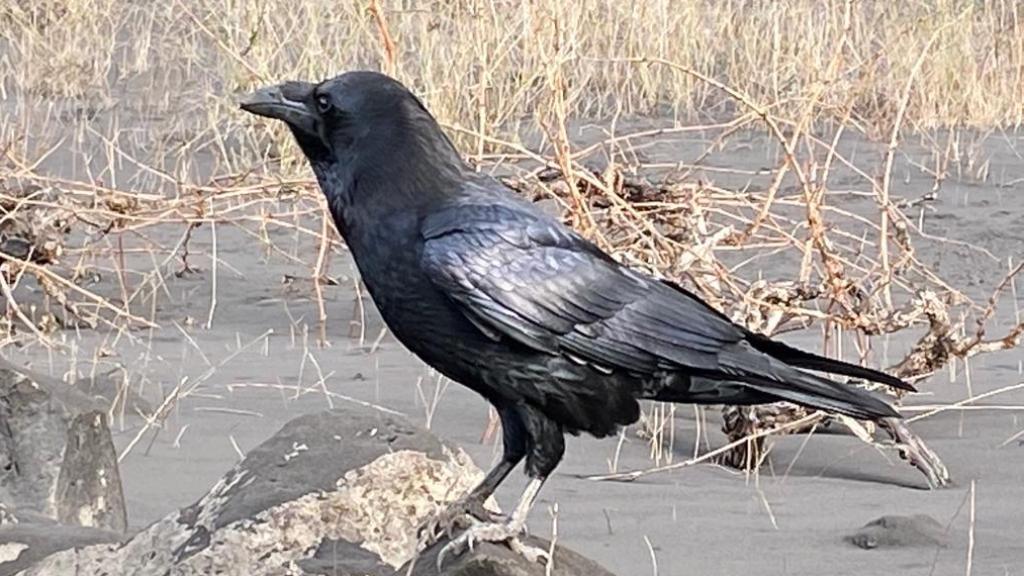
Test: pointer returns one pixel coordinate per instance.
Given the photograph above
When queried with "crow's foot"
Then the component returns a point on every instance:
(507, 532)
(460, 514)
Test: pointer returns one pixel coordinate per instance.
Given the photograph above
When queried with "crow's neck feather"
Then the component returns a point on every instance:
(367, 182)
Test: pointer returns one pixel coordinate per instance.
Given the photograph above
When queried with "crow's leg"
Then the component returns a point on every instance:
(546, 445)
(462, 512)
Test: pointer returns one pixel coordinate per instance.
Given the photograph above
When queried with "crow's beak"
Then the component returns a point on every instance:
(287, 102)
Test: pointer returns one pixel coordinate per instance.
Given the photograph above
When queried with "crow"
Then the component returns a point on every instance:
(501, 297)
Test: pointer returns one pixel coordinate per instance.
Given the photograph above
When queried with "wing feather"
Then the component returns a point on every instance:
(515, 273)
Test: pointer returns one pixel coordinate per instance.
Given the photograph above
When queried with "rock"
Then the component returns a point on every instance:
(338, 492)
(56, 455)
(89, 485)
(900, 532)
(24, 543)
(341, 558)
(496, 560)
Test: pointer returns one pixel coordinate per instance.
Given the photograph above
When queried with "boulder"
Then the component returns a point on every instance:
(498, 560)
(340, 492)
(57, 459)
(32, 538)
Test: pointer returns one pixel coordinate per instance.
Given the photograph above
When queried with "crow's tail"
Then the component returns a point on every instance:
(799, 358)
(802, 359)
(772, 377)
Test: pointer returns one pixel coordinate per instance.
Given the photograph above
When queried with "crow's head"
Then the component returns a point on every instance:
(359, 125)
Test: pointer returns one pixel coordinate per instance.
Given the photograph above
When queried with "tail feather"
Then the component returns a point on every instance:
(801, 359)
(772, 377)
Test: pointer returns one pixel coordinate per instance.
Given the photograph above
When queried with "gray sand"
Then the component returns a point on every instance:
(701, 520)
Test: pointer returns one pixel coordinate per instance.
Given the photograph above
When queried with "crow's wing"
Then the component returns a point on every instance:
(517, 274)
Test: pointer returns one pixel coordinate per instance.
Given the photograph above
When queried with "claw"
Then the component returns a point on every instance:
(506, 531)
(497, 532)
(532, 553)
(460, 514)
(442, 555)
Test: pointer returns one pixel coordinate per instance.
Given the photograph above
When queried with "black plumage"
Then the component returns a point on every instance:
(499, 296)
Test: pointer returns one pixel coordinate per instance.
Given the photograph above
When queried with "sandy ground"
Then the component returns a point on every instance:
(701, 520)
(258, 366)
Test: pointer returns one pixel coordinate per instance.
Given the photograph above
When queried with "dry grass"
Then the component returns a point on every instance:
(486, 66)
(135, 104)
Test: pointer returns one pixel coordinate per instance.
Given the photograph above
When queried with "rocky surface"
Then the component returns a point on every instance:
(31, 539)
(497, 560)
(336, 492)
(57, 460)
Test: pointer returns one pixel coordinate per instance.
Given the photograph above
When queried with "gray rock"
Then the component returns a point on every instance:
(24, 543)
(56, 455)
(343, 558)
(89, 485)
(341, 492)
(495, 560)
(340, 558)
(900, 532)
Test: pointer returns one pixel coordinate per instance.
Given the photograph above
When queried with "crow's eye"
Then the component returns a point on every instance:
(323, 103)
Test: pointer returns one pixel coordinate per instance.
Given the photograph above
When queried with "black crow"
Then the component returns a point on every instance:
(501, 297)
